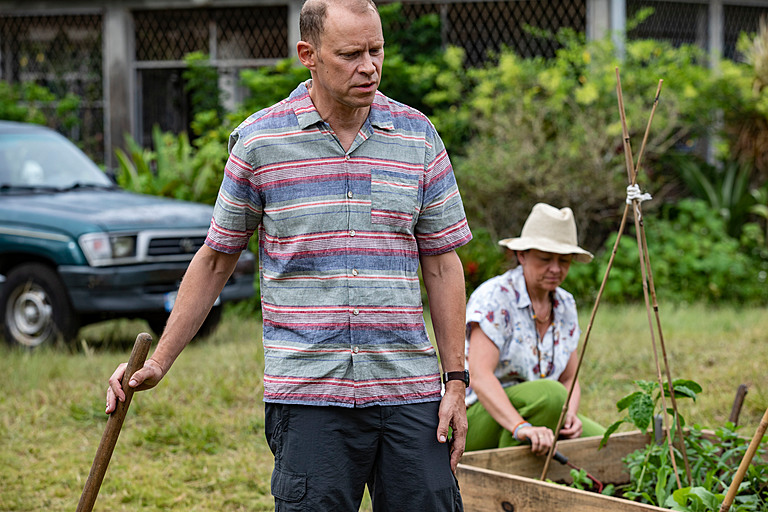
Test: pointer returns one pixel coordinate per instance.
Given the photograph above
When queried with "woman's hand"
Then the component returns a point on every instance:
(541, 438)
(571, 426)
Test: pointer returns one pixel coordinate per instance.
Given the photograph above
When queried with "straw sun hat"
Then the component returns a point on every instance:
(549, 229)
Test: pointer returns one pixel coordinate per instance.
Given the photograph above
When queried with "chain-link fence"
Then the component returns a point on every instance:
(65, 51)
(688, 23)
(483, 27)
(737, 20)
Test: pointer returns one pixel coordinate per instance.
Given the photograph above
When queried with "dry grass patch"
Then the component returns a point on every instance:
(196, 443)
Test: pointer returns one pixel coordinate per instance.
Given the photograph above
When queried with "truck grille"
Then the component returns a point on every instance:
(174, 246)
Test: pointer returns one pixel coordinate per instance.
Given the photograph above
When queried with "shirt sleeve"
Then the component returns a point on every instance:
(238, 209)
(442, 224)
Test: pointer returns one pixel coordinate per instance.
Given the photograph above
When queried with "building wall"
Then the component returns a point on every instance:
(125, 60)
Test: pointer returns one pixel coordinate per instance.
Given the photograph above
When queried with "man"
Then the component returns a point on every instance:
(349, 192)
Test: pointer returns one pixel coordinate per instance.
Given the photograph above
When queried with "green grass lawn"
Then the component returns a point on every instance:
(196, 442)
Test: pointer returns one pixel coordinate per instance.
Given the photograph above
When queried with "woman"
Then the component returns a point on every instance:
(522, 335)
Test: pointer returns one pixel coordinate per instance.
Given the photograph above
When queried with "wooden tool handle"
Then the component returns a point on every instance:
(114, 424)
(745, 462)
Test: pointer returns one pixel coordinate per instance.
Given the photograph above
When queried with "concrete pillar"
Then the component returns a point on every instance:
(598, 19)
(716, 30)
(715, 47)
(119, 94)
(294, 36)
(619, 25)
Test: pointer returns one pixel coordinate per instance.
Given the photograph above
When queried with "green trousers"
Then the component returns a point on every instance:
(540, 402)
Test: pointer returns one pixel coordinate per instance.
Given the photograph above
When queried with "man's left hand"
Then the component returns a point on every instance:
(453, 415)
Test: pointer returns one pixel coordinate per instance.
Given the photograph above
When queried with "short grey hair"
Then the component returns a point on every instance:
(314, 12)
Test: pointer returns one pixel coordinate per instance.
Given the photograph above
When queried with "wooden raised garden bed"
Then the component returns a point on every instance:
(508, 479)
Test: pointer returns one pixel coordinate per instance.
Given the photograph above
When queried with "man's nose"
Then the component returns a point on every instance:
(366, 65)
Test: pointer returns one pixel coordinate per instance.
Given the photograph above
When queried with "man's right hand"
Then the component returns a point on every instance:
(145, 378)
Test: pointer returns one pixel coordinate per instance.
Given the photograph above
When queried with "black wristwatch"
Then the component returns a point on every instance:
(457, 376)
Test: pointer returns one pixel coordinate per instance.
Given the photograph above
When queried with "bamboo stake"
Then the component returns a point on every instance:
(745, 462)
(654, 300)
(655, 305)
(639, 230)
(632, 176)
(114, 424)
(652, 286)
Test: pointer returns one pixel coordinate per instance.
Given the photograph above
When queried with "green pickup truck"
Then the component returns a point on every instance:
(76, 249)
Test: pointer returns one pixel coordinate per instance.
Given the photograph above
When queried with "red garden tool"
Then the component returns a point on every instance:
(562, 459)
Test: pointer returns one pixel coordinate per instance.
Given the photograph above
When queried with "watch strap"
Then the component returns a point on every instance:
(459, 375)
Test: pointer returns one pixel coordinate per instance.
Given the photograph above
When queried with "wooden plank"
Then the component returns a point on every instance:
(484, 490)
(604, 464)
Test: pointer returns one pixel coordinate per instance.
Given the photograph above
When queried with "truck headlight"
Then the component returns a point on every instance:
(103, 249)
(123, 246)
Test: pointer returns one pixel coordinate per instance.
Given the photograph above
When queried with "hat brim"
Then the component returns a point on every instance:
(546, 245)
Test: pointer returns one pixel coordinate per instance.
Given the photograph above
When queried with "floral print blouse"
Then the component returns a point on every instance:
(502, 308)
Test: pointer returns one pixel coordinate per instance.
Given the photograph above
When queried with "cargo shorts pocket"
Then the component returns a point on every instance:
(394, 197)
(288, 487)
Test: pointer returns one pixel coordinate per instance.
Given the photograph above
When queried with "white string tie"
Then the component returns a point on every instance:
(634, 192)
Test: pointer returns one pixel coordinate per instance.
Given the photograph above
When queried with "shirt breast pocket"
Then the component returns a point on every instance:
(394, 197)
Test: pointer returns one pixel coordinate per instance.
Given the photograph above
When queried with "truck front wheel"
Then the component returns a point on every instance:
(35, 307)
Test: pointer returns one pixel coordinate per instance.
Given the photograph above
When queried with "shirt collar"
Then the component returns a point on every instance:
(523, 300)
(307, 115)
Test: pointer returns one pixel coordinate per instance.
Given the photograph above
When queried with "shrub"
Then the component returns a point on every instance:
(549, 130)
(29, 102)
(201, 81)
(692, 258)
(174, 169)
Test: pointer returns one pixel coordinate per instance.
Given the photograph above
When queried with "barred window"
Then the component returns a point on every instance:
(62, 53)
(222, 33)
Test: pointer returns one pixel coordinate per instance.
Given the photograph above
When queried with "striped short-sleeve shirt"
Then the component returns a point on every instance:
(340, 235)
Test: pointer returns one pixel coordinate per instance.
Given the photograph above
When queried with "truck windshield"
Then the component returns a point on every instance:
(46, 160)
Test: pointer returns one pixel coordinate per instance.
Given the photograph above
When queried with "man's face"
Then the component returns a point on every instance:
(347, 65)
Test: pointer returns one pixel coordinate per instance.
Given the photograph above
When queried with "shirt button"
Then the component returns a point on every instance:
(355, 272)
(351, 232)
(349, 194)
(355, 312)
(346, 157)
(355, 350)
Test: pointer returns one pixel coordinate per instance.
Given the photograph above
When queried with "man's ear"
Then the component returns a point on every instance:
(306, 54)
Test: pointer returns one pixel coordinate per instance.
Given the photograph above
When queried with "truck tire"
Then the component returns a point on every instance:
(212, 321)
(35, 307)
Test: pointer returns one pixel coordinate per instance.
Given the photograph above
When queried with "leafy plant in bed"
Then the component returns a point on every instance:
(713, 456)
